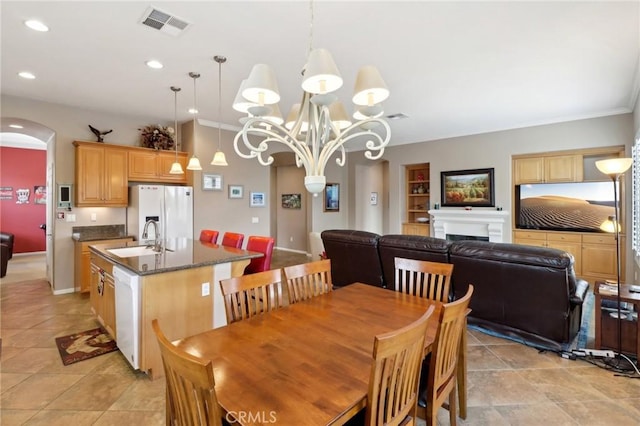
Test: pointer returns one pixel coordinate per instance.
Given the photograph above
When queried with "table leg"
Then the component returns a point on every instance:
(462, 372)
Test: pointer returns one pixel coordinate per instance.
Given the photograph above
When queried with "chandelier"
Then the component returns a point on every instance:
(319, 126)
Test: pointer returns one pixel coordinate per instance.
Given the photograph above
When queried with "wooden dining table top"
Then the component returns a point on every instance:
(307, 363)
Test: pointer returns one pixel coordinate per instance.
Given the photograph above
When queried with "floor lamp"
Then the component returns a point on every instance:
(615, 169)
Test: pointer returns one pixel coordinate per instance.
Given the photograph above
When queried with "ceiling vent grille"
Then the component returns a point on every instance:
(164, 22)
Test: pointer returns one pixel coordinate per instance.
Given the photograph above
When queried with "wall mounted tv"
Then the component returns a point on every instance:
(578, 207)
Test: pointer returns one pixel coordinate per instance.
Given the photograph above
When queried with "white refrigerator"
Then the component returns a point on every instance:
(170, 206)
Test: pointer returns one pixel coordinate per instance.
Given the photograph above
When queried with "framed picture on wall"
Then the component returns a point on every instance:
(472, 188)
(236, 191)
(291, 201)
(332, 197)
(211, 182)
(257, 199)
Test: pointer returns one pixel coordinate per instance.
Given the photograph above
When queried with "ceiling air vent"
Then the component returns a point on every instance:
(164, 22)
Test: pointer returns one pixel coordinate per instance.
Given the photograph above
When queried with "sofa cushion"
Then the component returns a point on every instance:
(354, 256)
(410, 247)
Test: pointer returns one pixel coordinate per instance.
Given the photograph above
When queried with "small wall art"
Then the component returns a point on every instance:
(257, 199)
(211, 182)
(332, 197)
(291, 201)
(236, 191)
(467, 188)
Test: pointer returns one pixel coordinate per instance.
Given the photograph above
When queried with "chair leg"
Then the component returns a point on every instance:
(452, 407)
(461, 375)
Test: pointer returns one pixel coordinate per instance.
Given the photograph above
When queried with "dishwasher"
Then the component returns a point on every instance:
(127, 290)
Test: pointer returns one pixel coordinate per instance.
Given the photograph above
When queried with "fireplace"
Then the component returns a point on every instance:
(458, 237)
(487, 225)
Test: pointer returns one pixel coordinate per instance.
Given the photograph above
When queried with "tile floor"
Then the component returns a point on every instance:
(508, 383)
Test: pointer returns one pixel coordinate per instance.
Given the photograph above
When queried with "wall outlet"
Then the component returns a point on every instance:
(94, 217)
(255, 220)
(206, 289)
(71, 217)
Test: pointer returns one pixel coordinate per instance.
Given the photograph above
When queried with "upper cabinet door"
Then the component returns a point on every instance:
(528, 170)
(563, 168)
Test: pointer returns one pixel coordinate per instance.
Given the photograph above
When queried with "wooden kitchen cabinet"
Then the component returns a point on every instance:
(102, 294)
(554, 168)
(100, 175)
(82, 262)
(149, 165)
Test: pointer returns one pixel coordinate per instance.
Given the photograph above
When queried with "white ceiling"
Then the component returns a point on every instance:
(454, 68)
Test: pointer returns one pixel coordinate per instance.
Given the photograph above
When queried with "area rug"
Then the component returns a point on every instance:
(84, 345)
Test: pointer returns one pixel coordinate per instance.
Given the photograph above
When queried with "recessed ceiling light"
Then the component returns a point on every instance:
(16, 126)
(36, 25)
(26, 75)
(193, 111)
(156, 65)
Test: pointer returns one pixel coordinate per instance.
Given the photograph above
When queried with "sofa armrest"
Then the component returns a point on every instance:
(581, 290)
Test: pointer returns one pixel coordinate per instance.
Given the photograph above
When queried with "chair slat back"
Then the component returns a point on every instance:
(250, 295)
(191, 395)
(431, 280)
(395, 374)
(444, 356)
(308, 280)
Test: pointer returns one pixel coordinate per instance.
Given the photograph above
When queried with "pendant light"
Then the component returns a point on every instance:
(194, 163)
(176, 167)
(219, 158)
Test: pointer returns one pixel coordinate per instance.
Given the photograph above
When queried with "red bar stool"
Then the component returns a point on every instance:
(209, 236)
(262, 245)
(231, 239)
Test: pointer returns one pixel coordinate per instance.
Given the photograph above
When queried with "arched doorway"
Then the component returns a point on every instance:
(29, 132)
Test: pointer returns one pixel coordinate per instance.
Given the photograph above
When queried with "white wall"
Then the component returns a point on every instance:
(291, 224)
(369, 179)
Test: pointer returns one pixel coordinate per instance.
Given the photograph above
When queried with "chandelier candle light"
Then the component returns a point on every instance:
(194, 163)
(176, 167)
(317, 127)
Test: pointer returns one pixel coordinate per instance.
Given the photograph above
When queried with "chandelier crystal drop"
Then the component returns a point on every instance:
(318, 126)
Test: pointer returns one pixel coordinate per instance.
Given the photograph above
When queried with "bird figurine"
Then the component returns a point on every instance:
(98, 133)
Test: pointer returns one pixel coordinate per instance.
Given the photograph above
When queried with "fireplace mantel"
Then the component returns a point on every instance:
(478, 223)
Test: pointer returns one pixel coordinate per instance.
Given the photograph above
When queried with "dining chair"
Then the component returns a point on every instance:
(441, 381)
(190, 391)
(249, 295)
(422, 278)
(308, 280)
(395, 374)
(232, 239)
(263, 245)
(209, 236)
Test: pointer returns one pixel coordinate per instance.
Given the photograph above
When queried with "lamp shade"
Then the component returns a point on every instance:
(609, 225)
(176, 169)
(293, 116)
(370, 88)
(614, 166)
(339, 116)
(321, 74)
(262, 87)
(194, 164)
(219, 159)
(240, 104)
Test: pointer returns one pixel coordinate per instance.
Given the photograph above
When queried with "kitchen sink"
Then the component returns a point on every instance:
(133, 251)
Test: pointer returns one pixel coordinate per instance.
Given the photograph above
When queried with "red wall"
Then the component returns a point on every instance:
(23, 168)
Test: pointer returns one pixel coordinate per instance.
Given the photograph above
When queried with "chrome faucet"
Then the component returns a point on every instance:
(145, 234)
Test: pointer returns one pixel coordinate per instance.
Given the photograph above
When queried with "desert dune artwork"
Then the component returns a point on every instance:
(557, 212)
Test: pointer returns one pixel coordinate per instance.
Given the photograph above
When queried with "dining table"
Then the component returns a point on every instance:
(309, 362)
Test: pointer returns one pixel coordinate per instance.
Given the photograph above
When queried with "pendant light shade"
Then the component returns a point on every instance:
(176, 167)
(370, 88)
(219, 158)
(321, 73)
(262, 87)
(194, 163)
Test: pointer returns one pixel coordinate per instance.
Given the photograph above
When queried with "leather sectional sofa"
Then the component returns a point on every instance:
(524, 293)
(6, 251)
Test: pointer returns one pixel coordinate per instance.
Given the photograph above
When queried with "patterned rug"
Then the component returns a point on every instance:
(84, 345)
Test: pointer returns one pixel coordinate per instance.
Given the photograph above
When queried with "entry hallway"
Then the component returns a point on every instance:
(509, 383)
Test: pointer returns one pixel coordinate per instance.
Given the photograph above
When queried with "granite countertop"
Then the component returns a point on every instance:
(98, 232)
(181, 253)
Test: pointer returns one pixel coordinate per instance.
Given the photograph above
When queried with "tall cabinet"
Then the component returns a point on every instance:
(594, 253)
(417, 200)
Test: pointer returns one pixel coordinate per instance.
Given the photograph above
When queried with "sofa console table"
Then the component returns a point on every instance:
(607, 325)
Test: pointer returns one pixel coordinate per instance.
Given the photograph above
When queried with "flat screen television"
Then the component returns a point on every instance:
(578, 206)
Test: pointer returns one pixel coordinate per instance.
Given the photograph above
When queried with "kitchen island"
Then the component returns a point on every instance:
(179, 286)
